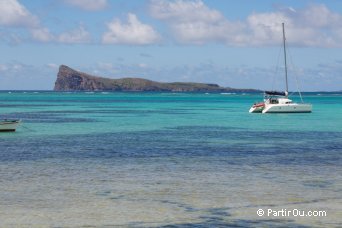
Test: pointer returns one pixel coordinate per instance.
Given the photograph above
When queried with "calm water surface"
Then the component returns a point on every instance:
(167, 160)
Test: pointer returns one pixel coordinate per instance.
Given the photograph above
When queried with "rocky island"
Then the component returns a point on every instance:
(69, 79)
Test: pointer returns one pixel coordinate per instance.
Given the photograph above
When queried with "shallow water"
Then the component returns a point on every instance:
(167, 160)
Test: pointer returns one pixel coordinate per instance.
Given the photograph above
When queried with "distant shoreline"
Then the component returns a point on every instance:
(199, 92)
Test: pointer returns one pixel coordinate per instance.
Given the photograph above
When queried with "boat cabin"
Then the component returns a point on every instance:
(278, 100)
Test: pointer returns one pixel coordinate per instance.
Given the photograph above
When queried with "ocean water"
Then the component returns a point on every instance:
(167, 160)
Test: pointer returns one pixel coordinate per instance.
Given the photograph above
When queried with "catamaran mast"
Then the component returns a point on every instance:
(287, 89)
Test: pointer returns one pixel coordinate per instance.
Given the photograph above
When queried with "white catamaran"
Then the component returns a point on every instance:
(278, 102)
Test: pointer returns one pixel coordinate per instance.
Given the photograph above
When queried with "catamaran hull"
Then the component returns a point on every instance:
(288, 108)
(8, 125)
(256, 109)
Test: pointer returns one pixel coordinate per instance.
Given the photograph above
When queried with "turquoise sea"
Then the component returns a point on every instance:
(107, 159)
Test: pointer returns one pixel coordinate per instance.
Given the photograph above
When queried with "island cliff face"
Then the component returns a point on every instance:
(72, 80)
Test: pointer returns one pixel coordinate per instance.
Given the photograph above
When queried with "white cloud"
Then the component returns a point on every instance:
(52, 65)
(195, 23)
(12, 67)
(78, 35)
(41, 34)
(314, 25)
(134, 32)
(106, 67)
(12, 13)
(75, 36)
(88, 5)
(142, 65)
(192, 21)
(184, 11)
(3, 67)
(10, 38)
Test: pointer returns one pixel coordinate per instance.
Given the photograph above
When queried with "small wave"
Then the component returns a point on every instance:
(329, 94)
(228, 93)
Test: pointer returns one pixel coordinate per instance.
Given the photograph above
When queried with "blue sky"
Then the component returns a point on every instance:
(231, 43)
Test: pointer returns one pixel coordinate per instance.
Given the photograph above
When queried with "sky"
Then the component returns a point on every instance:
(231, 43)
